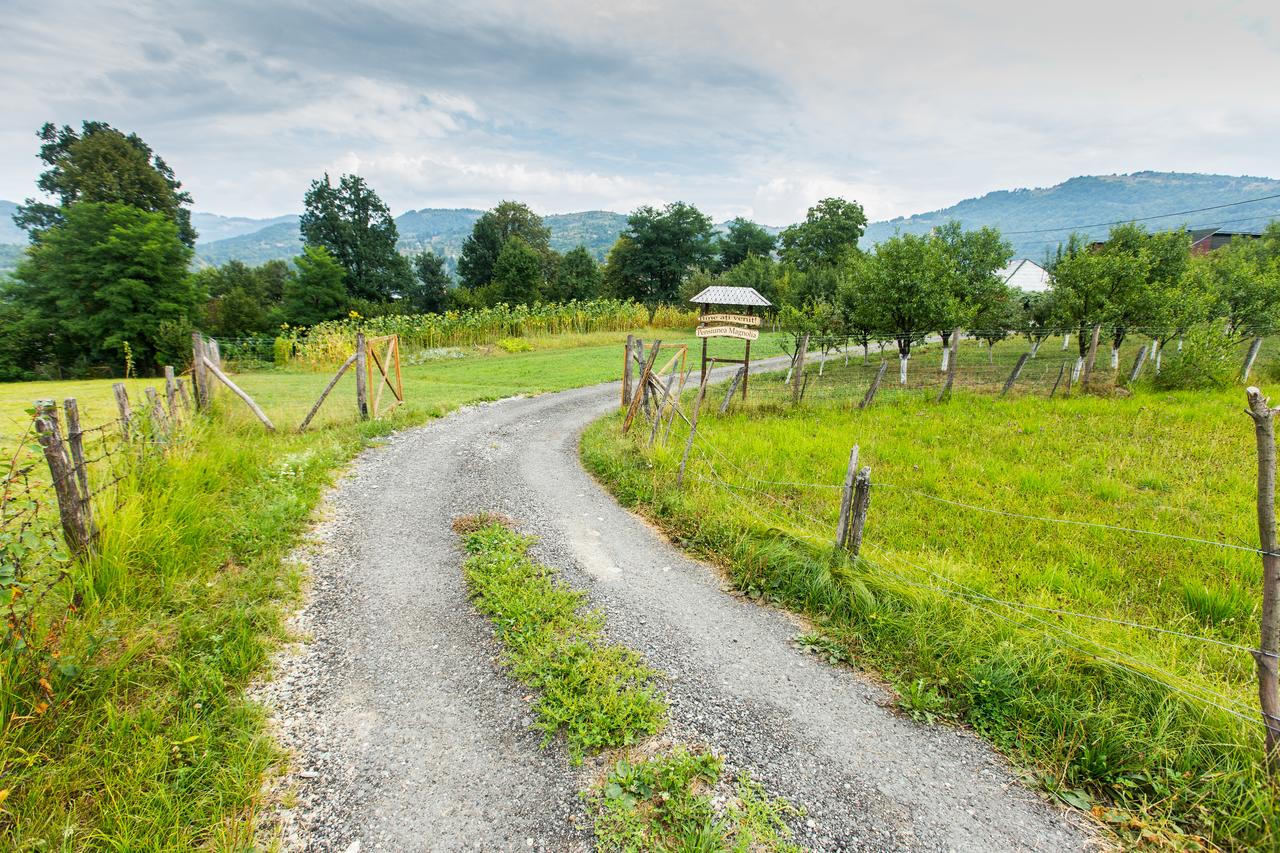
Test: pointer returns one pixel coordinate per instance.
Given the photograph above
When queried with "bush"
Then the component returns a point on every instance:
(1207, 362)
(514, 345)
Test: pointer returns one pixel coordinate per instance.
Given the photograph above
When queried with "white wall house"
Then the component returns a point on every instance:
(1025, 275)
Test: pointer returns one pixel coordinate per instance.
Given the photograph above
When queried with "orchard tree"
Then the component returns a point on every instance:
(981, 298)
(758, 272)
(830, 230)
(357, 229)
(429, 293)
(744, 239)
(577, 276)
(105, 275)
(490, 234)
(1087, 284)
(102, 164)
(1037, 314)
(1150, 265)
(517, 274)
(662, 247)
(316, 292)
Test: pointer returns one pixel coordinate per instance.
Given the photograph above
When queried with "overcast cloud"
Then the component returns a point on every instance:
(741, 108)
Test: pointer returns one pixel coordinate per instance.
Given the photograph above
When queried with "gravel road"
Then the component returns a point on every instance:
(406, 736)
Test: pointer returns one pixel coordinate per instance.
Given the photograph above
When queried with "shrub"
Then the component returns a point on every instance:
(1207, 361)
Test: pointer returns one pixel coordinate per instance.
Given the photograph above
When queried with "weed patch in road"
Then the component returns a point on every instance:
(598, 694)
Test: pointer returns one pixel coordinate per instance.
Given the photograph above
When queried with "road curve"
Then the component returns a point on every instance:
(407, 736)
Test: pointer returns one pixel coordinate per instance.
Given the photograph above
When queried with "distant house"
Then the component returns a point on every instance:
(1025, 274)
(1207, 239)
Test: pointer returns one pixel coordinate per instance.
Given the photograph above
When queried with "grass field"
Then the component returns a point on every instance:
(1101, 714)
(147, 741)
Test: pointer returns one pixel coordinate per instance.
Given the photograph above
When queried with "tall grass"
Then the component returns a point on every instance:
(1157, 762)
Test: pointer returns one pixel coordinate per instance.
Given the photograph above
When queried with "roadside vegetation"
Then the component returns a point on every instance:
(1134, 724)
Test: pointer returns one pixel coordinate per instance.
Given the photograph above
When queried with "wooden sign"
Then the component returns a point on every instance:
(727, 332)
(740, 319)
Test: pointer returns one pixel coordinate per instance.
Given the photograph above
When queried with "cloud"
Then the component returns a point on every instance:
(754, 109)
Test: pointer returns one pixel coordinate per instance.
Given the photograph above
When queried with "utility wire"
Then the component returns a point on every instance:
(1142, 218)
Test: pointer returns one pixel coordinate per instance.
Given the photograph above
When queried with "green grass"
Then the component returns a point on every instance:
(1088, 731)
(596, 693)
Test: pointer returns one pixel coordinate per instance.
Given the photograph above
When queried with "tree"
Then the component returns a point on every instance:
(578, 276)
(1087, 284)
(517, 274)
(357, 229)
(316, 292)
(107, 274)
(490, 233)
(430, 292)
(662, 247)
(758, 272)
(903, 290)
(745, 239)
(980, 295)
(1148, 267)
(830, 230)
(101, 164)
(1037, 313)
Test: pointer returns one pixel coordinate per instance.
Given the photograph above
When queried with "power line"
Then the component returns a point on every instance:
(1143, 218)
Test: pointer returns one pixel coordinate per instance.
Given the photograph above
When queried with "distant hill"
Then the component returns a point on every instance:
(1070, 205)
(1099, 199)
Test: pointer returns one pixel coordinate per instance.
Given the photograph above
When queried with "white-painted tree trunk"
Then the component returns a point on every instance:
(787, 379)
(1066, 341)
(1035, 348)
(946, 359)
(866, 349)
(821, 365)
(1179, 344)
(1159, 351)
(902, 368)
(1115, 358)
(1076, 368)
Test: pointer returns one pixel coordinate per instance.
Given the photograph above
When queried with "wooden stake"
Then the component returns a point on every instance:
(1269, 643)
(846, 498)
(182, 396)
(351, 359)
(802, 349)
(733, 386)
(1017, 371)
(693, 426)
(362, 402)
(74, 529)
(626, 372)
(199, 379)
(1249, 359)
(657, 415)
(675, 406)
(75, 441)
(1062, 368)
(122, 404)
(171, 392)
(858, 511)
(157, 414)
(875, 386)
(1140, 360)
(1092, 357)
(248, 401)
(642, 393)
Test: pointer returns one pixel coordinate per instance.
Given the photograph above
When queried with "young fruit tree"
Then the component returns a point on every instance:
(980, 298)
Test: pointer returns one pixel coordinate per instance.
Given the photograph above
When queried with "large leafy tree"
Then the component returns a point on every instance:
(662, 246)
(490, 233)
(1148, 269)
(518, 273)
(430, 290)
(744, 239)
(755, 271)
(830, 230)
(577, 277)
(356, 227)
(316, 292)
(101, 164)
(105, 275)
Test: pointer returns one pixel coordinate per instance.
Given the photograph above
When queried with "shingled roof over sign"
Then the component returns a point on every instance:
(717, 295)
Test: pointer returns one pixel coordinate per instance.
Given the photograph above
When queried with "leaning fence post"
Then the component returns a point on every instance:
(1269, 642)
(1062, 368)
(1017, 371)
(733, 386)
(362, 396)
(75, 441)
(1249, 359)
(858, 511)
(1138, 361)
(693, 427)
(875, 386)
(1092, 357)
(846, 498)
(74, 529)
(802, 349)
(122, 404)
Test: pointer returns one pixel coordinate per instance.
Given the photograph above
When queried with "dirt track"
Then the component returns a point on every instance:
(407, 736)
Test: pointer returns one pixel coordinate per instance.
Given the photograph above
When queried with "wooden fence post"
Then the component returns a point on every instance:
(858, 511)
(122, 404)
(675, 408)
(802, 350)
(332, 382)
(70, 508)
(362, 394)
(693, 426)
(199, 381)
(733, 386)
(248, 401)
(626, 372)
(642, 390)
(1062, 368)
(1249, 359)
(1017, 371)
(1138, 361)
(662, 401)
(846, 498)
(157, 413)
(1092, 357)
(1269, 642)
(75, 441)
(875, 386)
(182, 396)
(171, 392)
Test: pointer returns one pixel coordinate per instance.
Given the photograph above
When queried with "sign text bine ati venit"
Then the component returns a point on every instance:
(727, 332)
(740, 319)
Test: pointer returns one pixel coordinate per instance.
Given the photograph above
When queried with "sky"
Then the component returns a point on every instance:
(742, 108)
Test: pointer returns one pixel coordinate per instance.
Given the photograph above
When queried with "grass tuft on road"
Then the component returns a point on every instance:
(598, 694)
